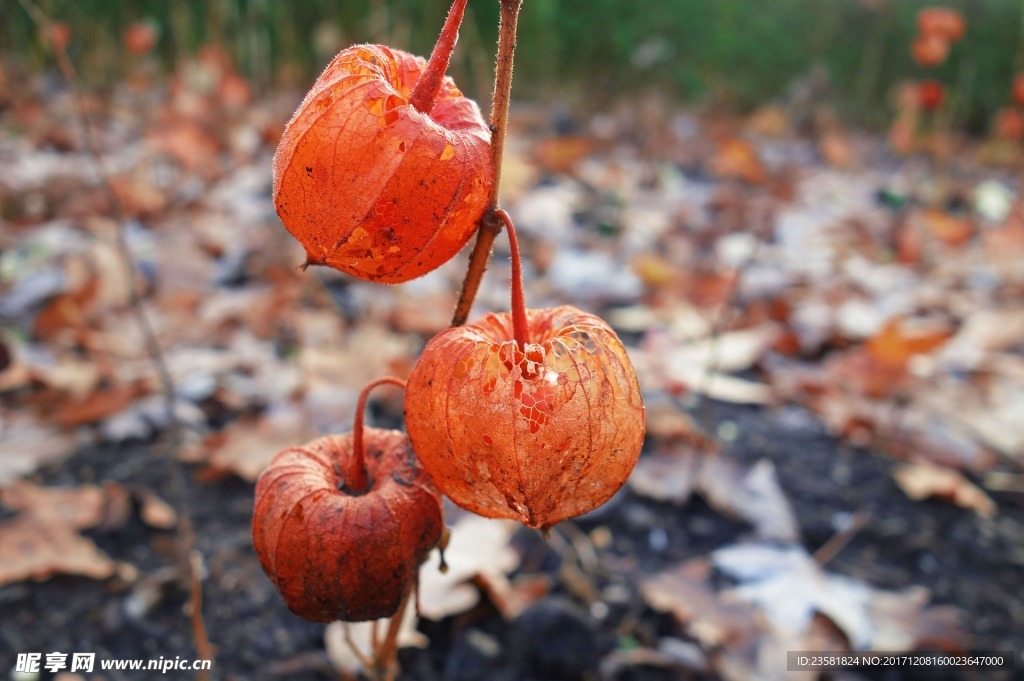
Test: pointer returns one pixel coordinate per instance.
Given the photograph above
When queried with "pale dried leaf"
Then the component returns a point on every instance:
(904, 621)
(340, 653)
(670, 474)
(154, 511)
(247, 446)
(751, 494)
(477, 546)
(923, 480)
(685, 592)
(34, 547)
(27, 445)
(789, 587)
(76, 507)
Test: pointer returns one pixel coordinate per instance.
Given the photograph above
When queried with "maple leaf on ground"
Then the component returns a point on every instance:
(790, 587)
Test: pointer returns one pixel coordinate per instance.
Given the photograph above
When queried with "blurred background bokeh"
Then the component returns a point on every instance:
(740, 51)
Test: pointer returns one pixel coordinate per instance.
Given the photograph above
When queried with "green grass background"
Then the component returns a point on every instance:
(744, 51)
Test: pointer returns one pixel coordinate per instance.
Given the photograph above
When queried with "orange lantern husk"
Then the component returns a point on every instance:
(342, 535)
(386, 167)
(532, 415)
(941, 21)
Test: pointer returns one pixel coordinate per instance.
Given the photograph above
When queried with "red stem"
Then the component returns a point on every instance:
(428, 87)
(357, 480)
(520, 327)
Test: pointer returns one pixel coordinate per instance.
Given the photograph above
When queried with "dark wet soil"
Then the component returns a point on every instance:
(971, 562)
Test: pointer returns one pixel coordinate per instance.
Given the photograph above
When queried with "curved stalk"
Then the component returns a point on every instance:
(357, 480)
(520, 327)
(428, 87)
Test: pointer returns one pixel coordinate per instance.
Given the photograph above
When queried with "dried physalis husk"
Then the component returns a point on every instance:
(337, 553)
(539, 436)
(385, 168)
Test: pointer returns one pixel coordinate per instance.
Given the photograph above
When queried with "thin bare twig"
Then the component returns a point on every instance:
(490, 225)
(837, 542)
(189, 559)
(204, 651)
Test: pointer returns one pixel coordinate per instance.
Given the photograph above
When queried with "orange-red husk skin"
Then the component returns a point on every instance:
(335, 555)
(538, 449)
(373, 187)
(941, 21)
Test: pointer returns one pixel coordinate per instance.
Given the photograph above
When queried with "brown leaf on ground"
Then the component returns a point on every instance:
(685, 592)
(153, 510)
(76, 507)
(188, 143)
(699, 365)
(246, 446)
(670, 474)
(43, 539)
(751, 493)
(905, 621)
(671, 423)
(769, 121)
(924, 480)
(561, 154)
(95, 407)
(835, 149)
(138, 197)
(34, 548)
(790, 587)
(736, 158)
(951, 230)
(901, 339)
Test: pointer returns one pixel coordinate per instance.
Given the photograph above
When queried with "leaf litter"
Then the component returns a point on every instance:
(740, 263)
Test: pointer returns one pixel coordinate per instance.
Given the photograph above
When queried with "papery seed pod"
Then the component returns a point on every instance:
(539, 437)
(941, 21)
(1018, 89)
(385, 168)
(338, 550)
(1009, 124)
(930, 49)
(932, 94)
(140, 37)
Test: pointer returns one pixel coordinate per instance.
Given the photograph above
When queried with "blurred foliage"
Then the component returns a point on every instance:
(742, 51)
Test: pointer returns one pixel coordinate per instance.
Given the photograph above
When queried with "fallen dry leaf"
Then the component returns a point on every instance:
(337, 637)
(670, 474)
(901, 339)
(32, 548)
(27, 445)
(561, 154)
(153, 510)
(686, 592)
(736, 158)
(76, 507)
(952, 231)
(752, 494)
(477, 546)
(904, 621)
(95, 407)
(924, 480)
(43, 539)
(246, 446)
(790, 587)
